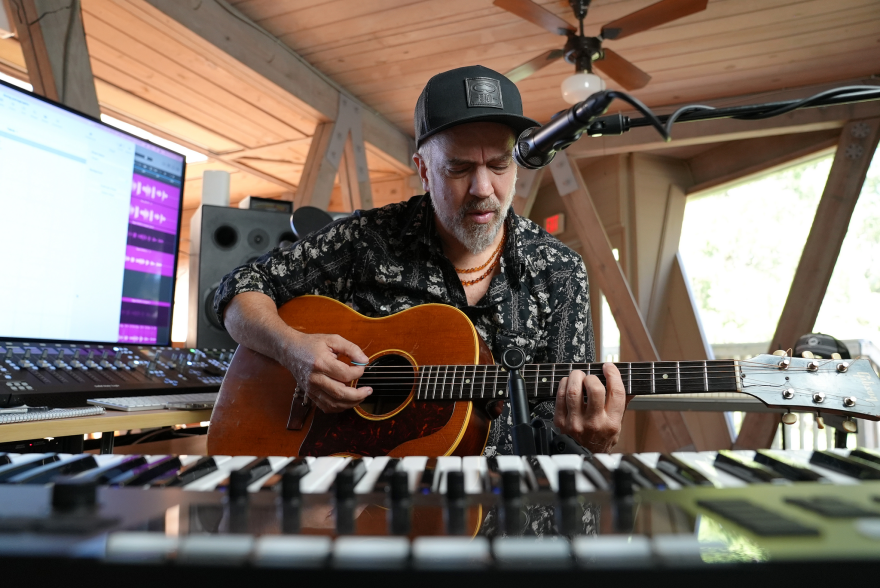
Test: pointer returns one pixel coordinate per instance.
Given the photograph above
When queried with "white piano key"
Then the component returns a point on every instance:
(290, 551)
(224, 466)
(375, 465)
(609, 460)
(572, 462)
(802, 457)
(371, 552)
(451, 553)
(511, 463)
(277, 463)
(140, 547)
(613, 551)
(704, 462)
(528, 553)
(413, 466)
(224, 550)
(474, 468)
(321, 474)
(447, 463)
(650, 459)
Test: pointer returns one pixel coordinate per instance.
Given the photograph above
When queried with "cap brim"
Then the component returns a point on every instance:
(516, 122)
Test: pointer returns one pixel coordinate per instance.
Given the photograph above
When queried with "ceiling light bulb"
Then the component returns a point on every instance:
(580, 86)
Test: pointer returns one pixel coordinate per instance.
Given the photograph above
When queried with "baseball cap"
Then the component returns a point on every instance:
(468, 94)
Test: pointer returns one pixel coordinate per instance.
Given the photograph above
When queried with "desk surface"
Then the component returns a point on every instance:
(112, 420)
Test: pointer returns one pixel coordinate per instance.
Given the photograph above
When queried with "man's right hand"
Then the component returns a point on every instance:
(322, 377)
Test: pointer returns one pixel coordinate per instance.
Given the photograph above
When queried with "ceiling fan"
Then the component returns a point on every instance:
(585, 52)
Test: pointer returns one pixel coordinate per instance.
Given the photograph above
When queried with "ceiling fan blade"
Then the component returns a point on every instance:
(622, 71)
(537, 15)
(523, 71)
(651, 16)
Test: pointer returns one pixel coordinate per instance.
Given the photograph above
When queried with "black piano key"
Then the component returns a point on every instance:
(357, 467)
(492, 481)
(832, 507)
(541, 480)
(757, 519)
(48, 472)
(143, 475)
(682, 472)
(383, 482)
(848, 466)
(4, 459)
(746, 470)
(253, 470)
(866, 454)
(596, 472)
(190, 473)
(426, 482)
(644, 476)
(787, 468)
(28, 463)
(104, 474)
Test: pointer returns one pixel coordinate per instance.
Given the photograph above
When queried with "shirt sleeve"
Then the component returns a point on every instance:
(321, 264)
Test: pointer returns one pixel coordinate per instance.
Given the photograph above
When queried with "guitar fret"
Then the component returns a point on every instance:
(553, 379)
(653, 380)
(421, 381)
(537, 378)
(483, 382)
(630, 365)
(443, 385)
(473, 381)
(706, 374)
(677, 377)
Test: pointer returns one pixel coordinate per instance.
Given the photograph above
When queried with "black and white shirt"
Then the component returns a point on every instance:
(385, 260)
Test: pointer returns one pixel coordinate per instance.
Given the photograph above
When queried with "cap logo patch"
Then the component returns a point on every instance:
(483, 93)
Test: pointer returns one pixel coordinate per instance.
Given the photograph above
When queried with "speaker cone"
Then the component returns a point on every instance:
(225, 237)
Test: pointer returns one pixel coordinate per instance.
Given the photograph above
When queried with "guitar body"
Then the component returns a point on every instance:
(254, 405)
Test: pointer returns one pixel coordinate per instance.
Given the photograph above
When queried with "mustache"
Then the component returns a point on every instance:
(480, 205)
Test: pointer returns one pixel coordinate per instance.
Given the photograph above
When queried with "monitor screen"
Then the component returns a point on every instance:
(89, 227)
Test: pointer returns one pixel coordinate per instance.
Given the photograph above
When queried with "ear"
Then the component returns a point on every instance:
(422, 169)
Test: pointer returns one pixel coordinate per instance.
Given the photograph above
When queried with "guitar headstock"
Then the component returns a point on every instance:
(837, 386)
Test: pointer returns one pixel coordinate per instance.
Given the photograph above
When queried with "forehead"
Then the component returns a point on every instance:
(482, 139)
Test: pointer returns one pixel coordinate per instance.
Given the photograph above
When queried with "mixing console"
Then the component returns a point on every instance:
(65, 375)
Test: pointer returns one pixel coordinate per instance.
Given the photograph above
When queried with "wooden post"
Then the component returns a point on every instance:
(527, 183)
(54, 45)
(333, 143)
(855, 149)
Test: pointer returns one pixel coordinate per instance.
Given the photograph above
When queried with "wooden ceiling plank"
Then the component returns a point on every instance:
(143, 113)
(242, 41)
(336, 13)
(161, 72)
(259, 10)
(135, 85)
(189, 60)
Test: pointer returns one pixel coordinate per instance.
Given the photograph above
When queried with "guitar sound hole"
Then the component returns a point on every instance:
(391, 377)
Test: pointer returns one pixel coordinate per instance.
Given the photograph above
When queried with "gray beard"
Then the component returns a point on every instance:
(475, 237)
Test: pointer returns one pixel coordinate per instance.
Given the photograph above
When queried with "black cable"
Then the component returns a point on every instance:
(675, 115)
(807, 101)
(635, 102)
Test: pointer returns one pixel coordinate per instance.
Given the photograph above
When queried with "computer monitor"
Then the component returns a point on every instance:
(89, 227)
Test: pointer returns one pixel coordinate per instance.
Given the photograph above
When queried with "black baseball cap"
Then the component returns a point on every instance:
(469, 94)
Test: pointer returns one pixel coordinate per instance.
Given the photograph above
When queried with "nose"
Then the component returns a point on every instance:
(481, 184)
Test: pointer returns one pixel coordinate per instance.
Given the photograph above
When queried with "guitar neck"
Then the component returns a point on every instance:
(474, 382)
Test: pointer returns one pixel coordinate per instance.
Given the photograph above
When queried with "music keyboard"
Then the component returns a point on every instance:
(647, 509)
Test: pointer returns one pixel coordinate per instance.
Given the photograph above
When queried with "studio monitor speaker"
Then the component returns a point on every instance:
(222, 239)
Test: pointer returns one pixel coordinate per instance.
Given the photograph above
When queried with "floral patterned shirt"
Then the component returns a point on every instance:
(385, 260)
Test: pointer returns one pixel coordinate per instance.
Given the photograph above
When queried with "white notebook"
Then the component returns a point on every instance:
(47, 415)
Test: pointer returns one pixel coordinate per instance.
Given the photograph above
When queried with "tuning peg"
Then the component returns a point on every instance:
(849, 425)
(836, 356)
(779, 353)
(807, 355)
(820, 422)
(789, 418)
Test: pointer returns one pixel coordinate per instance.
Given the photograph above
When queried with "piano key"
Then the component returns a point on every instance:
(5, 459)
(747, 470)
(514, 463)
(210, 481)
(682, 472)
(787, 467)
(802, 457)
(866, 454)
(255, 469)
(598, 473)
(103, 474)
(285, 551)
(65, 467)
(272, 482)
(143, 475)
(492, 480)
(573, 462)
(276, 465)
(537, 475)
(189, 473)
(451, 553)
(704, 462)
(853, 467)
(413, 466)
(321, 474)
(27, 462)
(644, 474)
(378, 476)
(446, 463)
(474, 469)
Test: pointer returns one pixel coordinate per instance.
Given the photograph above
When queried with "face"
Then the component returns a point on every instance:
(470, 173)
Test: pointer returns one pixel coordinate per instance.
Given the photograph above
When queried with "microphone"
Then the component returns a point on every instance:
(537, 146)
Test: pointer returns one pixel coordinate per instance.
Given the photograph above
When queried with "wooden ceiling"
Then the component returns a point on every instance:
(384, 51)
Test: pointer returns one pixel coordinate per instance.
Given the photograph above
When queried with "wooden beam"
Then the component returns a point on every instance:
(856, 146)
(54, 45)
(735, 161)
(316, 183)
(598, 256)
(715, 131)
(670, 235)
(355, 187)
(228, 29)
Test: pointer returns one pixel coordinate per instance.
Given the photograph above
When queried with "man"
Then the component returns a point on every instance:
(459, 244)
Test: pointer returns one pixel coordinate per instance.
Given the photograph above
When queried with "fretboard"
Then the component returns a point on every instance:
(472, 382)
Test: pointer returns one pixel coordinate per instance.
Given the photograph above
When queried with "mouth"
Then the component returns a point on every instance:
(481, 216)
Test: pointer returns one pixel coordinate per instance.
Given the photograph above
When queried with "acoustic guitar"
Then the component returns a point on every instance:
(435, 387)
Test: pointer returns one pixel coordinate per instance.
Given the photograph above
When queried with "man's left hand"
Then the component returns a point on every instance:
(595, 424)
